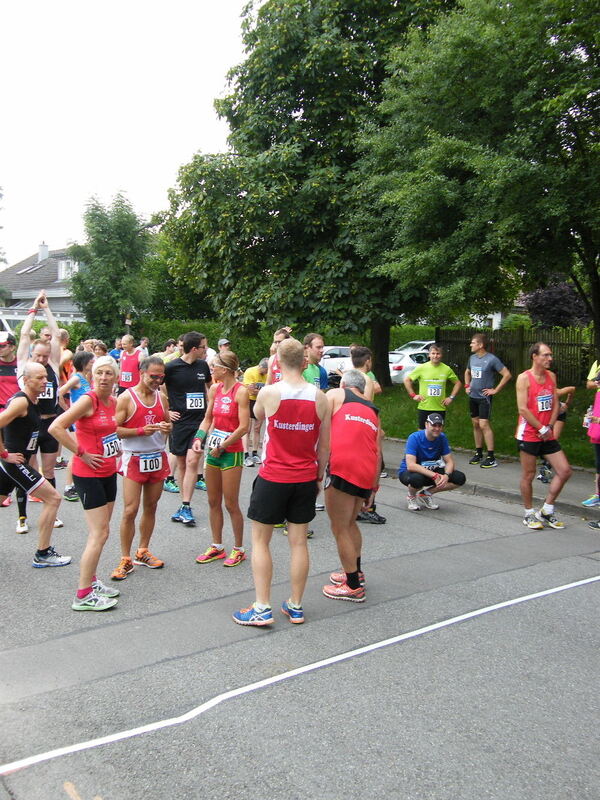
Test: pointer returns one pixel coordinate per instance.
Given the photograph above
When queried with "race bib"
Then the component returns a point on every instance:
(111, 445)
(48, 393)
(439, 462)
(476, 373)
(32, 443)
(434, 391)
(127, 377)
(544, 402)
(216, 439)
(194, 401)
(150, 462)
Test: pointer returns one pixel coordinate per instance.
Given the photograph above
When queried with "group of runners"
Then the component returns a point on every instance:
(186, 418)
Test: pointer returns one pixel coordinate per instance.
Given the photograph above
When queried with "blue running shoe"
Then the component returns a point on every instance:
(252, 616)
(201, 485)
(592, 501)
(176, 517)
(295, 615)
(171, 486)
(186, 516)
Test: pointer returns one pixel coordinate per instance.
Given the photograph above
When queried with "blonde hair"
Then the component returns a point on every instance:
(106, 361)
(229, 360)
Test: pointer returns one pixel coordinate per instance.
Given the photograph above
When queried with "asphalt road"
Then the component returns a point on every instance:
(501, 705)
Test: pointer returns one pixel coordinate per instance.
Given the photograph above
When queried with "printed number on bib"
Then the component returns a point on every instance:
(48, 393)
(32, 443)
(476, 373)
(111, 445)
(194, 401)
(216, 439)
(439, 462)
(544, 402)
(150, 462)
(126, 377)
(434, 391)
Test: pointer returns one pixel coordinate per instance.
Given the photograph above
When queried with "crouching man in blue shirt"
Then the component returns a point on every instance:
(428, 466)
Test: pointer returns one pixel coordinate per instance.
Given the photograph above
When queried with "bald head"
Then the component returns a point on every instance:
(33, 369)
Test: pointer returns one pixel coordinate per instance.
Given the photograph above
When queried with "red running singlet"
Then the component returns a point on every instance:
(98, 434)
(540, 397)
(130, 370)
(226, 415)
(291, 435)
(354, 431)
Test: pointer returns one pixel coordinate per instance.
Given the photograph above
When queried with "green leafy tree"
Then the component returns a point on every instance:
(484, 174)
(261, 228)
(110, 283)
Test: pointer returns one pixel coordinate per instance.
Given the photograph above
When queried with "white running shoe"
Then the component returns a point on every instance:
(427, 501)
(22, 526)
(412, 503)
(58, 523)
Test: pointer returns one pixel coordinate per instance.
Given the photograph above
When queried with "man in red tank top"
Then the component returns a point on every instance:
(129, 364)
(537, 401)
(295, 451)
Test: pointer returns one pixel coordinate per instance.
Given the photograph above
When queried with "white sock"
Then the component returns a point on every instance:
(547, 509)
(529, 511)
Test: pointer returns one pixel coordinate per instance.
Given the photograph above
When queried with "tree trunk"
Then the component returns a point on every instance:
(380, 347)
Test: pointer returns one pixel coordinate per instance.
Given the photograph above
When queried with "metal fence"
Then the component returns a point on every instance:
(572, 348)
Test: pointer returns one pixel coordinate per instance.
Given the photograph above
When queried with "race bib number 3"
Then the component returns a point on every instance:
(215, 439)
(150, 462)
(194, 401)
(111, 445)
(544, 402)
(434, 391)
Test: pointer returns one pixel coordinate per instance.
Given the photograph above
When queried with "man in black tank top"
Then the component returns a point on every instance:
(19, 427)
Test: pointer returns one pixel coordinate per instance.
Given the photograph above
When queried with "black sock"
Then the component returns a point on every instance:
(352, 580)
(52, 482)
(490, 454)
(246, 454)
(170, 478)
(200, 477)
(358, 564)
(254, 453)
(185, 503)
(479, 451)
(42, 552)
(22, 503)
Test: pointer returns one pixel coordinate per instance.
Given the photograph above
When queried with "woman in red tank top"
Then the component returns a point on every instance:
(96, 447)
(227, 420)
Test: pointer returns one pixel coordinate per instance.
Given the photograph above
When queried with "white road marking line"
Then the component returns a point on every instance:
(22, 763)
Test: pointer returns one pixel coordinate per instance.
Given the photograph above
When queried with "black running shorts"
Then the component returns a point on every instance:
(540, 448)
(96, 492)
(182, 437)
(272, 503)
(480, 407)
(21, 475)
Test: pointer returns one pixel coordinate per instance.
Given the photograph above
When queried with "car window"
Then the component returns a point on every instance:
(420, 358)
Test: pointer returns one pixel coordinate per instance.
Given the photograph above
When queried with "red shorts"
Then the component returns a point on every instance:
(145, 467)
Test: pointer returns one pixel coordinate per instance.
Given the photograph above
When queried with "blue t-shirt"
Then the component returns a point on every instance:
(425, 451)
(324, 378)
(84, 386)
(116, 354)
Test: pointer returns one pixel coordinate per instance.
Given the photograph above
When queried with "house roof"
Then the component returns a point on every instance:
(31, 274)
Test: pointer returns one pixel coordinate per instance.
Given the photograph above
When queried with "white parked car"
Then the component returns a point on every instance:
(402, 364)
(336, 357)
(416, 346)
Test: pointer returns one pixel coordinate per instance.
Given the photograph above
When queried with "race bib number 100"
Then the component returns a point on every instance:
(194, 401)
(150, 462)
(111, 445)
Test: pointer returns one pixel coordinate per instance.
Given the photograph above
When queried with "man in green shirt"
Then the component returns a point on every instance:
(313, 349)
(432, 378)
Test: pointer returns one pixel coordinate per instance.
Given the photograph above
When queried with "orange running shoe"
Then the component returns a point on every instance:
(123, 570)
(144, 558)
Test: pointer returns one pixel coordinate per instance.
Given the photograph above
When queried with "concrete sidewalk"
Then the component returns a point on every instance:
(503, 481)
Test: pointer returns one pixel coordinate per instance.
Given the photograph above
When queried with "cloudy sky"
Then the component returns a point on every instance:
(99, 98)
